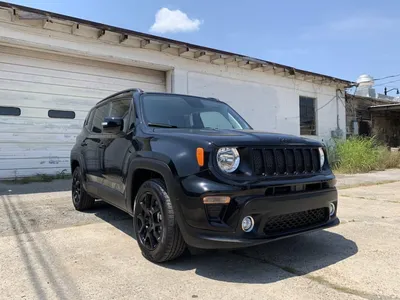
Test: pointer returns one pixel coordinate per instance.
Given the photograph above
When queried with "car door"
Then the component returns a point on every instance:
(117, 148)
(92, 151)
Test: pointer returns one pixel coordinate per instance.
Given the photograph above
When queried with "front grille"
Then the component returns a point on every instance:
(295, 221)
(283, 161)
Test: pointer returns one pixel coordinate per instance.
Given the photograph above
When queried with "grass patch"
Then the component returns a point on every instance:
(40, 178)
(361, 155)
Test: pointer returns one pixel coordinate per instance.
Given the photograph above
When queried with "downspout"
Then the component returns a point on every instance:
(337, 110)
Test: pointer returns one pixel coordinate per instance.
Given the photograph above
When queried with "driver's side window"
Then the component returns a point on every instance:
(100, 113)
(120, 108)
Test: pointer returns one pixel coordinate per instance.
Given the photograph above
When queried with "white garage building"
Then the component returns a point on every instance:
(54, 68)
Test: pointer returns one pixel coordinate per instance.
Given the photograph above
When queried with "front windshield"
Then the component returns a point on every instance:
(189, 112)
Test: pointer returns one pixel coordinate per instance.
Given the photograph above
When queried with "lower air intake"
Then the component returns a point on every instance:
(295, 221)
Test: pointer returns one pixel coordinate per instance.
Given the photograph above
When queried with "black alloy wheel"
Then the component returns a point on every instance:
(149, 221)
(76, 187)
(156, 228)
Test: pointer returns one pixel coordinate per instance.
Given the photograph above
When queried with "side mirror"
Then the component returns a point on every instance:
(113, 124)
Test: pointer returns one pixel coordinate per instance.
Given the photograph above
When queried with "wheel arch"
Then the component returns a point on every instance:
(74, 164)
(76, 160)
(148, 168)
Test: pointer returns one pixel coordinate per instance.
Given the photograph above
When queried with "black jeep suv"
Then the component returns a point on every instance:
(192, 172)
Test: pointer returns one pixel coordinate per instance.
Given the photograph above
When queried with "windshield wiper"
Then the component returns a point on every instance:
(161, 125)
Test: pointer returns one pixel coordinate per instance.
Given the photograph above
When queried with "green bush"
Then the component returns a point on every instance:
(361, 154)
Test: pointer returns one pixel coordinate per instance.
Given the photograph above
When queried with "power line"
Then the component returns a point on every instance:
(385, 83)
(386, 77)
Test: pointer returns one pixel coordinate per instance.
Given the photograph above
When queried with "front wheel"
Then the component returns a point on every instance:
(157, 232)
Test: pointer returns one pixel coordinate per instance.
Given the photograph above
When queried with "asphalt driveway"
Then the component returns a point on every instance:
(50, 251)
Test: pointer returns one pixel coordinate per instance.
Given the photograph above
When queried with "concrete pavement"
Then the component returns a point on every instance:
(50, 251)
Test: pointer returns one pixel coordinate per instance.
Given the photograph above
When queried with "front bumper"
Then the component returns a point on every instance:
(275, 216)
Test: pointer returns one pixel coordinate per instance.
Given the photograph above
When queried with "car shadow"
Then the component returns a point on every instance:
(271, 262)
(114, 216)
(268, 263)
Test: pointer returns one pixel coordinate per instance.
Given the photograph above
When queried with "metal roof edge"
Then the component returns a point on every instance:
(166, 40)
(384, 106)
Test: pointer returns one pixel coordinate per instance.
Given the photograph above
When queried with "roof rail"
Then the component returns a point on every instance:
(120, 93)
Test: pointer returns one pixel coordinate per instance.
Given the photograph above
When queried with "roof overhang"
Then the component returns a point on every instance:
(126, 37)
(386, 107)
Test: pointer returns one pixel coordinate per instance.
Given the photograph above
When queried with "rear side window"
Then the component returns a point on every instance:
(10, 111)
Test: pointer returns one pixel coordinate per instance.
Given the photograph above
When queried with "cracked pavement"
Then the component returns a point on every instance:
(50, 251)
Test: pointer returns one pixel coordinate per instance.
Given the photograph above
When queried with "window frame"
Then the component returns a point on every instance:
(10, 107)
(61, 111)
(311, 132)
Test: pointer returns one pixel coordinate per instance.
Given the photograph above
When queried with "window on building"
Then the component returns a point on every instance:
(307, 116)
(61, 114)
(10, 111)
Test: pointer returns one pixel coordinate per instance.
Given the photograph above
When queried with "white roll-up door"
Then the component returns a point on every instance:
(32, 83)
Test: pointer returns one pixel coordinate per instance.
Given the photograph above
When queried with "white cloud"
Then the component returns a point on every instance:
(174, 21)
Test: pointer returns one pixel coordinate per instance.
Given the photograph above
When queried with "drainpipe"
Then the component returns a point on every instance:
(337, 110)
(338, 132)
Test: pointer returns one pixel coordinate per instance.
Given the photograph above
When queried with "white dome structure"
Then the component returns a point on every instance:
(365, 86)
(365, 79)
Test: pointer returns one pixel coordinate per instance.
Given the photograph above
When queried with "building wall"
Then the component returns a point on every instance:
(267, 101)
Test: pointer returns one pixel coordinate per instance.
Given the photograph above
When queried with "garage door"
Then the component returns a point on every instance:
(44, 99)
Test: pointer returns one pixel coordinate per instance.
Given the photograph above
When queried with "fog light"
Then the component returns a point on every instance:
(332, 209)
(247, 224)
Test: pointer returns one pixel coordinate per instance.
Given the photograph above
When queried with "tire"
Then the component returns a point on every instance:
(161, 240)
(80, 198)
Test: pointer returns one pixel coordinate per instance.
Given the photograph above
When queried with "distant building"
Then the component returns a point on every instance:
(372, 114)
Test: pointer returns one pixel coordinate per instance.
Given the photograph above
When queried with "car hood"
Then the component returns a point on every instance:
(230, 137)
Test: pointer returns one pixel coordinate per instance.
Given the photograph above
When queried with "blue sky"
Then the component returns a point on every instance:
(338, 38)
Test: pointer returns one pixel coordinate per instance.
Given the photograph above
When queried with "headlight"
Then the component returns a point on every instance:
(228, 159)
(321, 157)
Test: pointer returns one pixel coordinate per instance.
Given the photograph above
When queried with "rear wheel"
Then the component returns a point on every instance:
(157, 232)
(80, 198)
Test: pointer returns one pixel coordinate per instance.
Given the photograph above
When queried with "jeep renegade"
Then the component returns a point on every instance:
(192, 172)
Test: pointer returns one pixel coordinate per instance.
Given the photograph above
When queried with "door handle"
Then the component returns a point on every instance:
(83, 144)
(102, 146)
